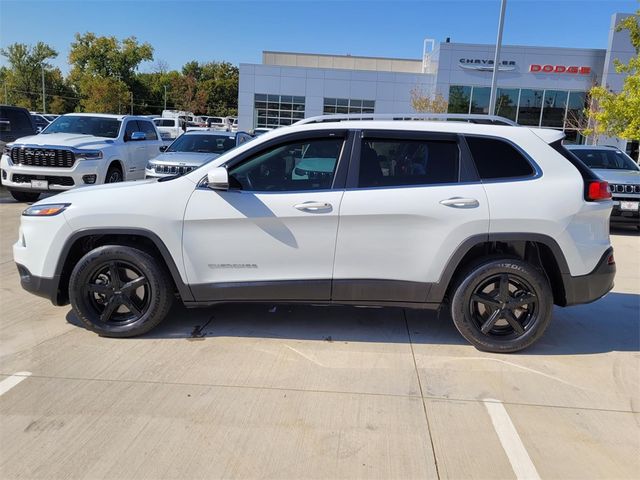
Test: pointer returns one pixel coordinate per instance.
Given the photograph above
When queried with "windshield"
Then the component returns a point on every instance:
(203, 144)
(84, 125)
(610, 159)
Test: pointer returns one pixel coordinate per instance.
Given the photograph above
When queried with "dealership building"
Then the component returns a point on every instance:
(537, 86)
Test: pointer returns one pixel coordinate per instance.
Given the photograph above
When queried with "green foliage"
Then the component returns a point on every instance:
(22, 79)
(618, 114)
(104, 95)
(104, 74)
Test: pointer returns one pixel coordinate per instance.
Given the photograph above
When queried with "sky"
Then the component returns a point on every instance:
(238, 31)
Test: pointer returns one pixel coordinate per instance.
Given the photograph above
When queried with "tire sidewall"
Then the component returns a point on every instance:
(463, 320)
(159, 290)
(110, 172)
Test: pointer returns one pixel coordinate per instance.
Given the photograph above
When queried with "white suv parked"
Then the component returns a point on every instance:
(79, 149)
(496, 222)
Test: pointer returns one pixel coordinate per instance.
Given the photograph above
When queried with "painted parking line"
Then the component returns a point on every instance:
(10, 382)
(518, 457)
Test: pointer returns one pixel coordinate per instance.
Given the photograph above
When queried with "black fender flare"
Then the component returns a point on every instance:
(439, 289)
(183, 288)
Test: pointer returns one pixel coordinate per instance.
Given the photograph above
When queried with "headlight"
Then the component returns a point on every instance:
(7, 149)
(88, 154)
(151, 166)
(47, 210)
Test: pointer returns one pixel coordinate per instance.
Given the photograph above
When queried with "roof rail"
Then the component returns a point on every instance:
(460, 117)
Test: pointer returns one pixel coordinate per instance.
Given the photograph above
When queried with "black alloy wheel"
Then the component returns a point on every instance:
(120, 291)
(114, 175)
(502, 305)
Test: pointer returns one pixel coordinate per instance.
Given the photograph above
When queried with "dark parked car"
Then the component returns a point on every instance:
(15, 122)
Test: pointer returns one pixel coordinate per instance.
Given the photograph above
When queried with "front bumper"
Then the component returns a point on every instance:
(40, 286)
(18, 177)
(625, 216)
(592, 286)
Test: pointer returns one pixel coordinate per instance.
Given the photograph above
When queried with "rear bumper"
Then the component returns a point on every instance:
(589, 288)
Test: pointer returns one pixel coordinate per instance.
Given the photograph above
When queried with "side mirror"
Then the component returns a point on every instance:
(218, 179)
(137, 136)
(163, 148)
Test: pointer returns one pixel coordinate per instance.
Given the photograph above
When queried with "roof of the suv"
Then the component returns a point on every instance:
(507, 131)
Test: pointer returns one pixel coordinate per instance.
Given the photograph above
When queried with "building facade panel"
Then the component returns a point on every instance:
(541, 86)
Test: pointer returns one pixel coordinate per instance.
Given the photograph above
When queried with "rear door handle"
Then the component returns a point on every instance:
(314, 206)
(459, 202)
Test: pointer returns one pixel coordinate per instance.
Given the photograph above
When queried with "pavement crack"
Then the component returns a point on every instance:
(424, 405)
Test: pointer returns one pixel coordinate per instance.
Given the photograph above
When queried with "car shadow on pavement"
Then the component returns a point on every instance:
(610, 324)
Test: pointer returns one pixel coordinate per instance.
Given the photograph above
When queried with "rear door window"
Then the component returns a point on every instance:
(400, 162)
(495, 159)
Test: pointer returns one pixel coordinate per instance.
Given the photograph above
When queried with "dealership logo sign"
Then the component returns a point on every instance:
(571, 70)
(486, 65)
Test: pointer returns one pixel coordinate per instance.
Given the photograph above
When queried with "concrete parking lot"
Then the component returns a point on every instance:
(253, 391)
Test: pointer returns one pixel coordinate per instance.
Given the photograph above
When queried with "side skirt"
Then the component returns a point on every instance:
(359, 292)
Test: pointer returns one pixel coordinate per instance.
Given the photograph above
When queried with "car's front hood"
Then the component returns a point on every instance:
(75, 140)
(191, 159)
(618, 176)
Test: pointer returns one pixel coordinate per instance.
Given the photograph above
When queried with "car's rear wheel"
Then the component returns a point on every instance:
(120, 291)
(24, 196)
(502, 305)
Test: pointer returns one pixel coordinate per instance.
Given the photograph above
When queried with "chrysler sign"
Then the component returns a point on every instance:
(486, 65)
(568, 69)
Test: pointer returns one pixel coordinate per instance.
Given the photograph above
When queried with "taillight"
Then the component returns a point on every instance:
(598, 190)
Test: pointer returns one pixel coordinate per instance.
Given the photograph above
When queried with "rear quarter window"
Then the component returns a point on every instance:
(495, 158)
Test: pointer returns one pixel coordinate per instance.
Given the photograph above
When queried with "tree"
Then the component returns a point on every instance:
(618, 114)
(427, 104)
(188, 95)
(23, 77)
(103, 70)
(104, 95)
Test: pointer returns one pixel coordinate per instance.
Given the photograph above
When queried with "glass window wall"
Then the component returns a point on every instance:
(272, 111)
(347, 105)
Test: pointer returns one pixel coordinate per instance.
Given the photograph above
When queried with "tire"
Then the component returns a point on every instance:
(111, 308)
(114, 175)
(24, 196)
(497, 320)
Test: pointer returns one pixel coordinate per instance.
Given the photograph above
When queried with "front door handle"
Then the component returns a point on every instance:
(459, 202)
(314, 206)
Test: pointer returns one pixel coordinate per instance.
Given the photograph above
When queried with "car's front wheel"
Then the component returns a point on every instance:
(502, 305)
(120, 291)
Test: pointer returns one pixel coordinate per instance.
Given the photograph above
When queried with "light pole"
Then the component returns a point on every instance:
(496, 59)
(119, 92)
(165, 97)
(44, 105)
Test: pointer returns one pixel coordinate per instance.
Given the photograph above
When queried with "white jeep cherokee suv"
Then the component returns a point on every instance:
(79, 149)
(497, 222)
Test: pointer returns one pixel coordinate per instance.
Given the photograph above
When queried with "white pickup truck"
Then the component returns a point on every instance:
(79, 149)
